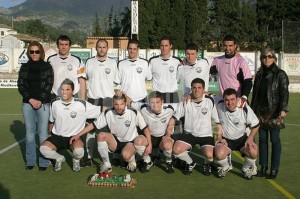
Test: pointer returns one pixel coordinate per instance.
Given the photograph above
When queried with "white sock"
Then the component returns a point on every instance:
(225, 163)
(168, 155)
(90, 142)
(103, 150)
(132, 159)
(47, 152)
(248, 162)
(78, 153)
(140, 150)
(208, 161)
(185, 157)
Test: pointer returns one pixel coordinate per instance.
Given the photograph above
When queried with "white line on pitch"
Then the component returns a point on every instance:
(11, 146)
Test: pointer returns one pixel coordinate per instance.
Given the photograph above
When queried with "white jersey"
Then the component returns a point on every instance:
(197, 116)
(124, 126)
(187, 73)
(234, 123)
(70, 67)
(69, 119)
(100, 76)
(132, 76)
(164, 73)
(157, 123)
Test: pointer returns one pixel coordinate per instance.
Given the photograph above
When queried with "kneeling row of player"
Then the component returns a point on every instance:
(156, 121)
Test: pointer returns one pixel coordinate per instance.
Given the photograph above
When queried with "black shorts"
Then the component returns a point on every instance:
(120, 145)
(238, 144)
(170, 97)
(155, 141)
(108, 102)
(59, 142)
(192, 140)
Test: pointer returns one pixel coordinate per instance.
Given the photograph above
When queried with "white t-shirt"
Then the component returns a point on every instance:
(100, 76)
(124, 126)
(164, 73)
(197, 116)
(132, 76)
(69, 119)
(70, 67)
(234, 123)
(187, 73)
(157, 123)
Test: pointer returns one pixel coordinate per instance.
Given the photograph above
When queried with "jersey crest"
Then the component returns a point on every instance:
(171, 69)
(204, 110)
(107, 70)
(198, 69)
(69, 67)
(163, 120)
(127, 123)
(139, 70)
(73, 114)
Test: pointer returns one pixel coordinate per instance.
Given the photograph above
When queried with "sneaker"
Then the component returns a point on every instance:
(76, 165)
(131, 167)
(86, 163)
(222, 172)
(207, 169)
(169, 168)
(252, 171)
(146, 167)
(58, 164)
(189, 168)
(105, 169)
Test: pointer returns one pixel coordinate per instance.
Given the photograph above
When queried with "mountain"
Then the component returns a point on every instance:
(77, 14)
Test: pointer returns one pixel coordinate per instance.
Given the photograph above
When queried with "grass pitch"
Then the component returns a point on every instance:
(16, 182)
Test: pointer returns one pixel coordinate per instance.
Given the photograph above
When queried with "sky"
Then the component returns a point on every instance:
(10, 3)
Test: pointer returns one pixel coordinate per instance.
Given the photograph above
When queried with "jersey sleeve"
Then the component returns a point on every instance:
(252, 119)
(100, 121)
(215, 115)
(117, 79)
(52, 114)
(179, 111)
(179, 74)
(148, 74)
(136, 105)
(140, 121)
(92, 111)
(246, 69)
(81, 70)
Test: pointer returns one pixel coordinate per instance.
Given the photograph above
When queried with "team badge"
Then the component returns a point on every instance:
(107, 70)
(163, 120)
(127, 123)
(139, 70)
(204, 111)
(198, 69)
(73, 114)
(236, 121)
(70, 67)
(171, 69)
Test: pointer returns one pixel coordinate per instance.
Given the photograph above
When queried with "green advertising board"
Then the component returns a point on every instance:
(181, 54)
(84, 54)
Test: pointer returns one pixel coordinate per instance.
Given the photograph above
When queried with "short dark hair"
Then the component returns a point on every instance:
(40, 47)
(230, 91)
(191, 46)
(63, 38)
(120, 97)
(133, 41)
(99, 40)
(155, 94)
(166, 38)
(68, 82)
(198, 80)
(230, 38)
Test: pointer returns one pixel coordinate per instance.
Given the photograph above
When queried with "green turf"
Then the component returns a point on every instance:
(16, 182)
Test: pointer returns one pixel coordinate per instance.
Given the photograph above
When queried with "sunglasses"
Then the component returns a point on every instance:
(267, 56)
(34, 51)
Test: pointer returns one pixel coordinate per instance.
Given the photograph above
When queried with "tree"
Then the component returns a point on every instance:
(36, 27)
(96, 26)
(126, 22)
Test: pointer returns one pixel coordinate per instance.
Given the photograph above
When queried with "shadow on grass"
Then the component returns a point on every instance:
(17, 128)
(4, 193)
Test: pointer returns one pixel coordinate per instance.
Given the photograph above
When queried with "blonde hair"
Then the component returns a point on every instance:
(268, 50)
